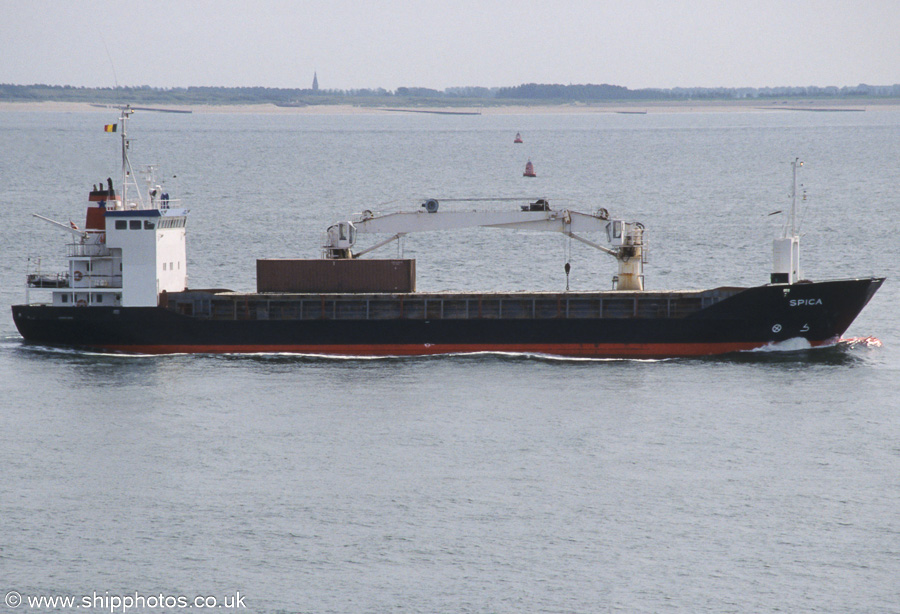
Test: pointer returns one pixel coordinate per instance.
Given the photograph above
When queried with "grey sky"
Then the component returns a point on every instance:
(441, 43)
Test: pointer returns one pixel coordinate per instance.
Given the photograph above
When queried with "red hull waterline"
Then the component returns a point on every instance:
(569, 350)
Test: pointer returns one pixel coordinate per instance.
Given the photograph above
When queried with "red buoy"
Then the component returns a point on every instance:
(518, 138)
(529, 170)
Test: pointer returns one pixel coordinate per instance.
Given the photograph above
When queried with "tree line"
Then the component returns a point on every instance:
(520, 94)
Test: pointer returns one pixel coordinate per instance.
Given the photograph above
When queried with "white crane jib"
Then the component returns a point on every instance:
(625, 238)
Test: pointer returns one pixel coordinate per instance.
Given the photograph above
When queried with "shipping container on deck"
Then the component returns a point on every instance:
(337, 276)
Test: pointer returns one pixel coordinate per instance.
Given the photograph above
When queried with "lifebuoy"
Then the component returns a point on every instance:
(78, 275)
(81, 303)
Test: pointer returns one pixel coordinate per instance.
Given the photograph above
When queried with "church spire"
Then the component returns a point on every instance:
(315, 86)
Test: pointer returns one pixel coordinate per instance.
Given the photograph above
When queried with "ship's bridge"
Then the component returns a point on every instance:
(151, 244)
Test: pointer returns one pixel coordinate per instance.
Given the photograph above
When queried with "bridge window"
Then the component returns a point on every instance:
(121, 224)
(172, 222)
(148, 225)
(134, 225)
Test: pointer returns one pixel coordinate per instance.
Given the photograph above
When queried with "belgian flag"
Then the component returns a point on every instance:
(110, 127)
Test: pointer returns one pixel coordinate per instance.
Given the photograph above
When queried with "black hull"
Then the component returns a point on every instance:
(819, 312)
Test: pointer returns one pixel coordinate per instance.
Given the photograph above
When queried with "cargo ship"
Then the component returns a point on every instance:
(125, 290)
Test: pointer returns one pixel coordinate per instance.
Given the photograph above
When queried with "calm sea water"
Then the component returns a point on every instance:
(760, 482)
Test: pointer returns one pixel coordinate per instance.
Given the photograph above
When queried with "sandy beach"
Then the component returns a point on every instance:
(635, 107)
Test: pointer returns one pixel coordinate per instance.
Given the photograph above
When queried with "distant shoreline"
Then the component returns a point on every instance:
(628, 107)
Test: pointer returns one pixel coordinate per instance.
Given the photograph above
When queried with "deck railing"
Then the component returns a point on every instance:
(98, 250)
(419, 307)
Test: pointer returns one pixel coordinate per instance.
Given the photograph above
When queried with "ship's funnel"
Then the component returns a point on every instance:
(98, 201)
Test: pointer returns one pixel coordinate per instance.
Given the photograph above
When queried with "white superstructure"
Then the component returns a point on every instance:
(131, 248)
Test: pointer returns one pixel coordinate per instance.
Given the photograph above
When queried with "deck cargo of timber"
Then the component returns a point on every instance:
(125, 289)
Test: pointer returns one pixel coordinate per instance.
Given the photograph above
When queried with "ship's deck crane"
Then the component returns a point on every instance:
(626, 238)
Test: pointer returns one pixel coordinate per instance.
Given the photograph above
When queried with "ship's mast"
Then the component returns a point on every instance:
(123, 119)
(797, 162)
(786, 250)
(127, 171)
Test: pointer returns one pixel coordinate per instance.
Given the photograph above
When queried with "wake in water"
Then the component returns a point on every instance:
(799, 344)
(861, 342)
(77, 352)
(16, 344)
(475, 356)
(796, 349)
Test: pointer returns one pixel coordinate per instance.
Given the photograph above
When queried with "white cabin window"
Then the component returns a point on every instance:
(121, 224)
(172, 222)
(134, 225)
(65, 298)
(98, 298)
(148, 225)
